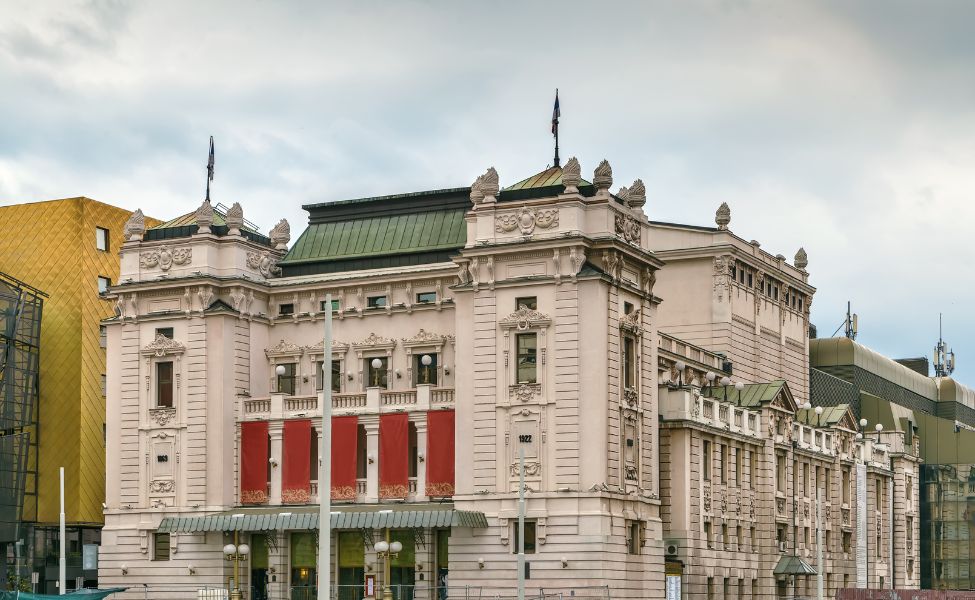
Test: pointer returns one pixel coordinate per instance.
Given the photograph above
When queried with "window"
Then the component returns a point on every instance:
(779, 473)
(529, 537)
(377, 376)
(738, 537)
(530, 302)
(706, 460)
(710, 588)
(707, 534)
(847, 541)
(909, 488)
(286, 381)
(725, 588)
(362, 453)
(629, 362)
(722, 466)
(753, 538)
(827, 483)
(322, 307)
(313, 465)
(634, 539)
(749, 280)
(846, 485)
(426, 297)
(627, 308)
(286, 309)
(376, 302)
(527, 348)
(165, 332)
(411, 448)
(725, 541)
(160, 546)
(103, 336)
(780, 536)
(103, 284)
(737, 471)
(336, 375)
(104, 385)
(827, 538)
(164, 384)
(425, 373)
(101, 239)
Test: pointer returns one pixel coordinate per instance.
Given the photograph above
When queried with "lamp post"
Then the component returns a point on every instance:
(680, 366)
(739, 386)
(386, 551)
(709, 378)
(324, 570)
(376, 365)
(236, 553)
(819, 416)
(725, 382)
(878, 428)
(426, 361)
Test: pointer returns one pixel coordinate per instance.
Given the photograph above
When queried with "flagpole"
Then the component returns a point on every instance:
(556, 119)
(325, 466)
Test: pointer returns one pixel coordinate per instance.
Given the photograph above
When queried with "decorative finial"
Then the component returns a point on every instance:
(135, 227)
(623, 194)
(638, 194)
(722, 216)
(235, 219)
(477, 191)
(802, 260)
(281, 234)
(204, 217)
(571, 176)
(489, 185)
(602, 177)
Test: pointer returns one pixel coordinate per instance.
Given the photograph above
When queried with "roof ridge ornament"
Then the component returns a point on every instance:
(281, 234)
(802, 259)
(477, 191)
(235, 219)
(135, 227)
(638, 194)
(489, 185)
(602, 178)
(722, 216)
(204, 217)
(572, 175)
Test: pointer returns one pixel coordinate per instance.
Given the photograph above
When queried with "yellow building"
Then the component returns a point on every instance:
(69, 249)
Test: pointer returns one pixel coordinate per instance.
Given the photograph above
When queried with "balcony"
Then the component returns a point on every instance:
(362, 493)
(372, 401)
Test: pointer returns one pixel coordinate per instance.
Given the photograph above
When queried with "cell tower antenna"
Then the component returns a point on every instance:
(944, 357)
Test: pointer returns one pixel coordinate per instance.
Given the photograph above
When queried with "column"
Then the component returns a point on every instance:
(275, 431)
(278, 567)
(372, 468)
(421, 450)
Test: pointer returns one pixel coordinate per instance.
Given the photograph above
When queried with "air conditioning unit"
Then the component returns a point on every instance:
(781, 546)
(671, 548)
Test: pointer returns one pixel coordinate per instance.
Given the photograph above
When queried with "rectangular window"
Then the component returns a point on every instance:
(708, 537)
(101, 239)
(529, 302)
(376, 302)
(103, 284)
(377, 376)
(411, 448)
(165, 332)
(827, 538)
(286, 382)
(104, 385)
(629, 362)
(706, 459)
(426, 297)
(827, 483)
(335, 376)
(425, 373)
(323, 308)
(286, 309)
(527, 349)
(103, 336)
(627, 308)
(753, 538)
(722, 466)
(749, 280)
(164, 384)
(529, 536)
(845, 483)
(725, 588)
(313, 465)
(847, 541)
(909, 488)
(160, 546)
(738, 537)
(725, 541)
(737, 473)
(710, 588)
(362, 453)
(779, 473)
(634, 539)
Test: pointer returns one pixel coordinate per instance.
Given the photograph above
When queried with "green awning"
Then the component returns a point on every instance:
(793, 565)
(308, 520)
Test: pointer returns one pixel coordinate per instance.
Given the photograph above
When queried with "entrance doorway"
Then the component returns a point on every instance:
(352, 560)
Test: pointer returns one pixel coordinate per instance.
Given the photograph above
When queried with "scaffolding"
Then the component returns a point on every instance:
(20, 332)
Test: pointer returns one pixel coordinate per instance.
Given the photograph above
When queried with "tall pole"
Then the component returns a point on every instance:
(325, 466)
(62, 561)
(521, 522)
(819, 546)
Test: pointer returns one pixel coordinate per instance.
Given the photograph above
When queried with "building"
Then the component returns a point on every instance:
(935, 416)
(69, 249)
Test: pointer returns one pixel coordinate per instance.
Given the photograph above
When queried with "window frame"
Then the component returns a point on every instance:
(377, 302)
(286, 310)
(421, 295)
(156, 537)
(419, 370)
(157, 377)
(108, 284)
(383, 371)
(530, 302)
(292, 376)
(99, 231)
(534, 536)
(530, 353)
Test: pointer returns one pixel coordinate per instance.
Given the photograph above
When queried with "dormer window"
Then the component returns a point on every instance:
(322, 306)
(286, 309)
(376, 302)
(426, 297)
(529, 302)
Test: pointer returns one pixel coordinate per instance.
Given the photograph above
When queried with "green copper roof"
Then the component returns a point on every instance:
(548, 177)
(306, 518)
(382, 235)
(793, 565)
(190, 219)
(753, 394)
(831, 416)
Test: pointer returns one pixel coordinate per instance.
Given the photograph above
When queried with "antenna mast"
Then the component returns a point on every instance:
(944, 357)
(851, 323)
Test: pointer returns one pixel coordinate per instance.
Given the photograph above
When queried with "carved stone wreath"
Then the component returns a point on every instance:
(162, 416)
(630, 396)
(531, 469)
(524, 392)
(159, 486)
(526, 220)
(628, 228)
(164, 258)
(264, 263)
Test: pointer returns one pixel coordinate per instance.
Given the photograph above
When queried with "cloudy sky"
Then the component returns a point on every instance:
(846, 128)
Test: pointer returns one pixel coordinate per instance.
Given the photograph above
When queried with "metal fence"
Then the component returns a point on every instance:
(862, 594)
(357, 592)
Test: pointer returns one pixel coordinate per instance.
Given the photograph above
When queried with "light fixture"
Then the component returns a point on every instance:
(381, 546)
(279, 370)
(191, 569)
(480, 563)
(681, 365)
(863, 422)
(725, 381)
(395, 547)
(710, 376)
(739, 386)
(565, 562)
(349, 375)
(229, 550)
(859, 436)
(819, 410)
(399, 374)
(420, 457)
(273, 461)
(371, 459)
(806, 405)
(425, 360)
(376, 363)
(878, 427)
(446, 370)
(125, 569)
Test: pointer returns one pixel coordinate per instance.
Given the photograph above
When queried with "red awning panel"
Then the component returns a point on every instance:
(295, 484)
(253, 462)
(345, 432)
(440, 453)
(394, 455)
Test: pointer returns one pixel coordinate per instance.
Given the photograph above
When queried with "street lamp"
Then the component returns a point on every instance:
(709, 377)
(376, 365)
(819, 416)
(386, 551)
(279, 370)
(426, 361)
(725, 382)
(236, 553)
(680, 366)
(739, 386)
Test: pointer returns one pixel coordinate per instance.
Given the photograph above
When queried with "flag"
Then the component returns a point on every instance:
(210, 161)
(555, 115)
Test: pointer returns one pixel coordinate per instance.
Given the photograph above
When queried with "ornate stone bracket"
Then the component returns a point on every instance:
(162, 417)
(525, 392)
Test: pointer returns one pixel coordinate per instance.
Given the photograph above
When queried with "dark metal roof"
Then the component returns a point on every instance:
(793, 565)
(375, 517)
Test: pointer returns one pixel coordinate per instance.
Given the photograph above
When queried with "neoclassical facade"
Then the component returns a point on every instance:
(474, 326)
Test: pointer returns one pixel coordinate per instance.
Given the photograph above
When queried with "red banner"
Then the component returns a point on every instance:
(345, 435)
(295, 485)
(394, 455)
(440, 453)
(253, 462)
